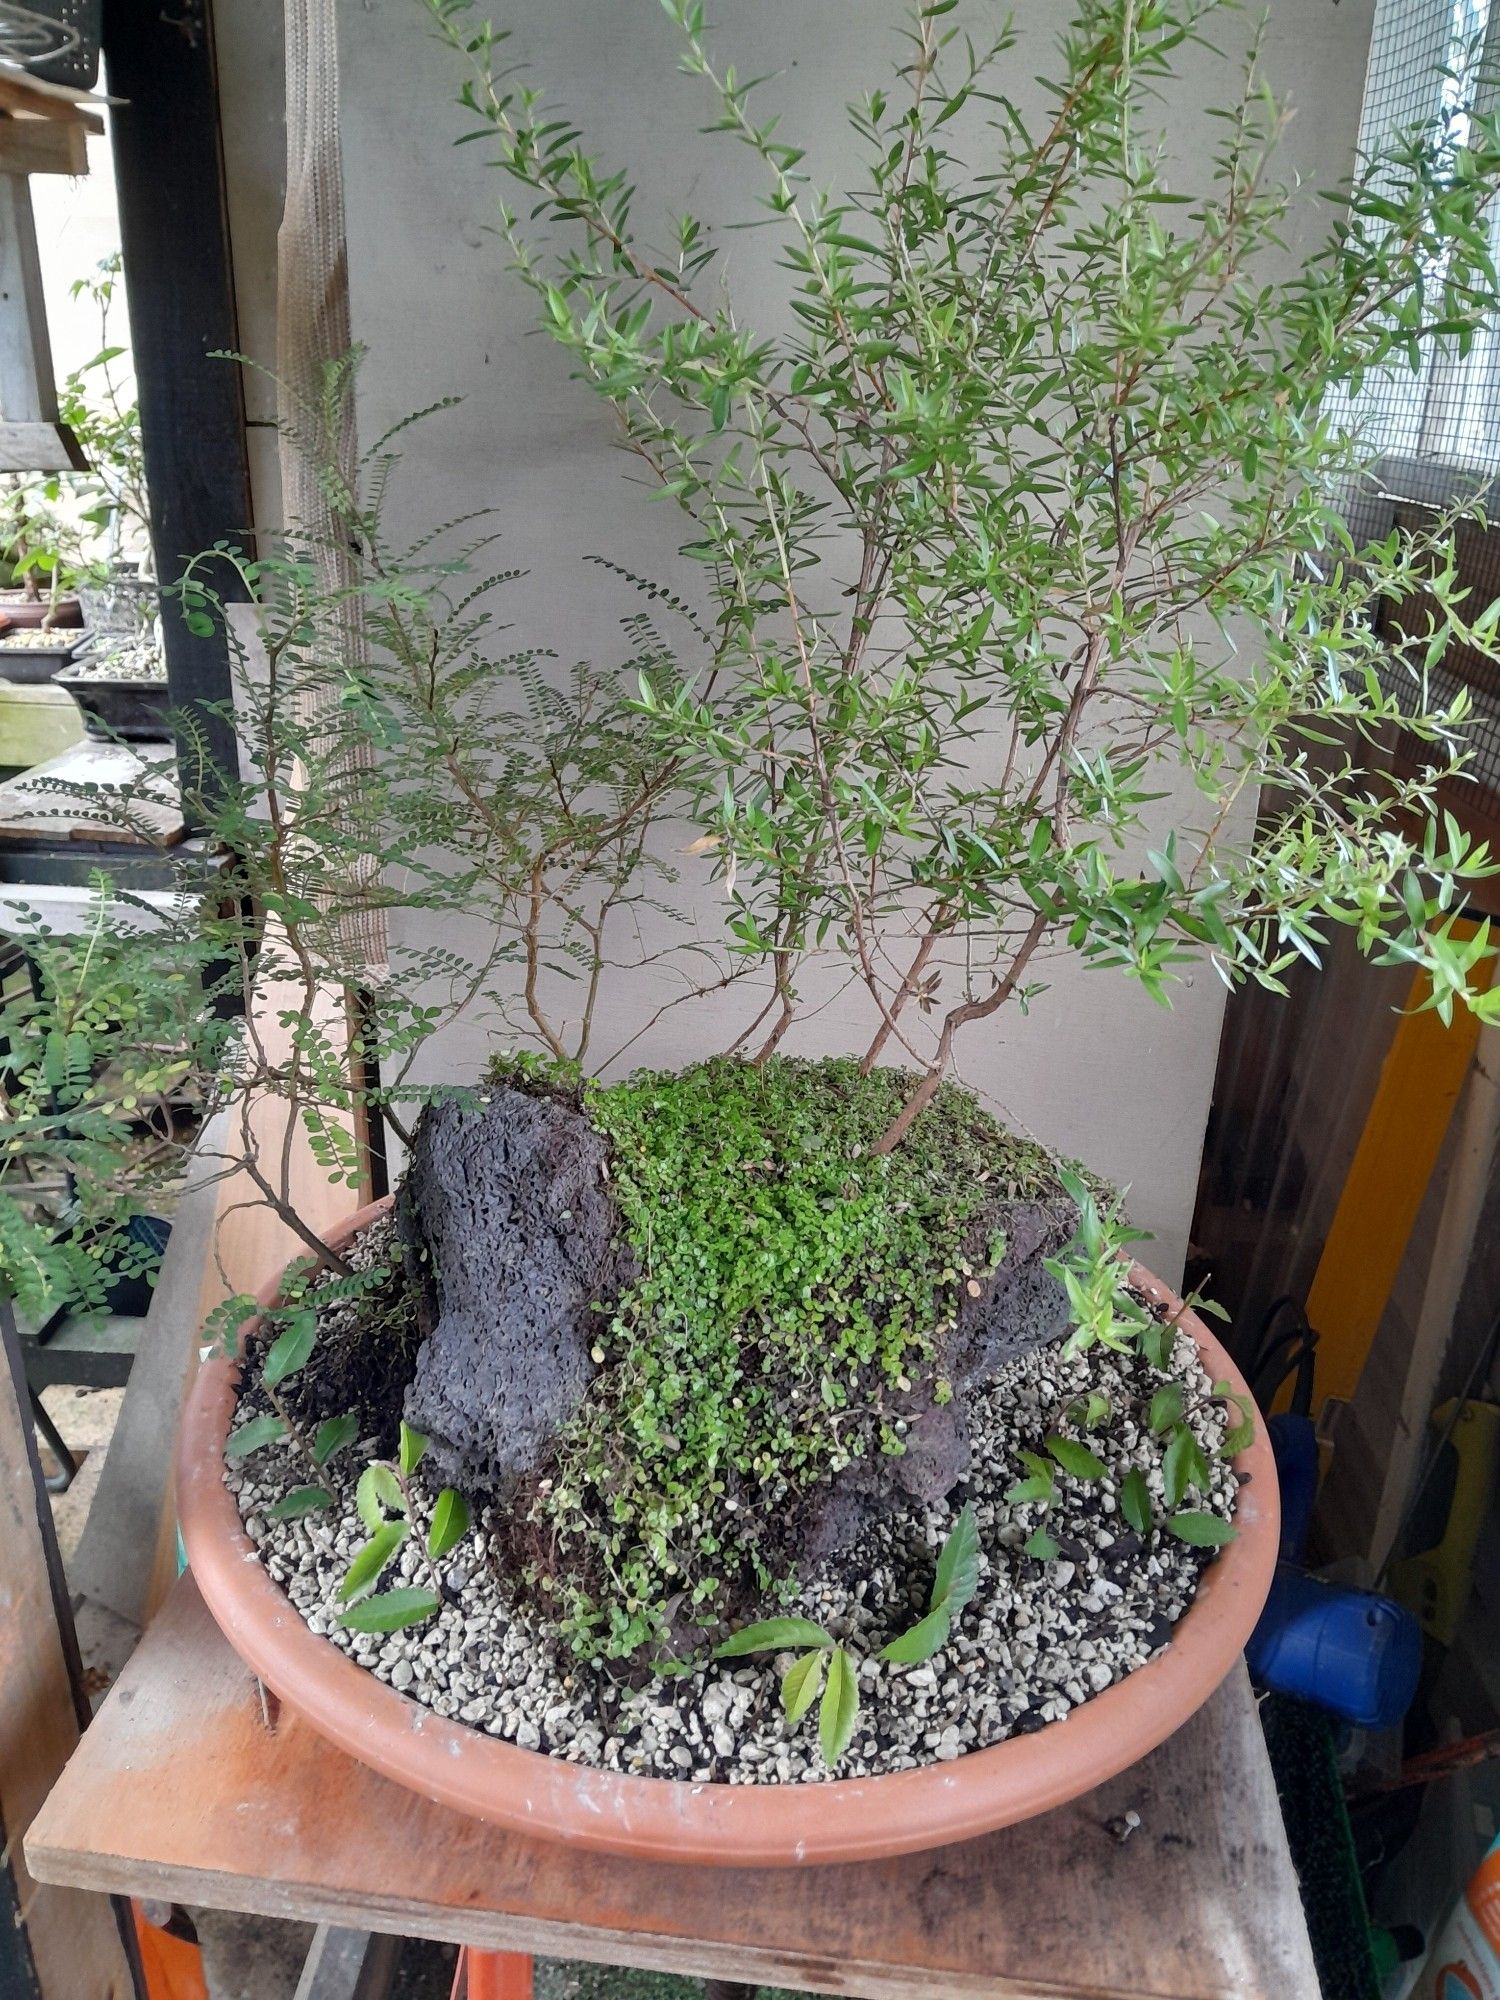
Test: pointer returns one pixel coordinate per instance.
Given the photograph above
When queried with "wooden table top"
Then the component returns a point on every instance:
(186, 1789)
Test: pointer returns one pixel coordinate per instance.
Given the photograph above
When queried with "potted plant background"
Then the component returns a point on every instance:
(120, 681)
(809, 1435)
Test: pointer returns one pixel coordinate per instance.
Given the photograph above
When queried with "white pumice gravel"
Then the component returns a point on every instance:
(1037, 1639)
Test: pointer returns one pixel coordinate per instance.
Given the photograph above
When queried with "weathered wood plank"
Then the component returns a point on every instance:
(88, 793)
(183, 1791)
(72, 1942)
(42, 146)
(39, 447)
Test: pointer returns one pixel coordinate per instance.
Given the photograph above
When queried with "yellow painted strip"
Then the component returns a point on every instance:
(1420, 1083)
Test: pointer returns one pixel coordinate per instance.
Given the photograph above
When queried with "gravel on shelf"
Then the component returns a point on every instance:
(1039, 1637)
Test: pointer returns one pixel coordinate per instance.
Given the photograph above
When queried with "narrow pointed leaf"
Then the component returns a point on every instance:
(372, 1558)
(413, 1445)
(1204, 1531)
(839, 1710)
(254, 1436)
(773, 1635)
(957, 1576)
(922, 1640)
(450, 1523)
(391, 1611)
(301, 1500)
(1135, 1501)
(290, 1349)
(334, 1435)
(799, 1689)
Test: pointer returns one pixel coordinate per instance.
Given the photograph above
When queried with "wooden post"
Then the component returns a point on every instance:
(59, 1944)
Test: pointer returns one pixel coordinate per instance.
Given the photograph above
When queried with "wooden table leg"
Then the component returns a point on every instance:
(495, 1975)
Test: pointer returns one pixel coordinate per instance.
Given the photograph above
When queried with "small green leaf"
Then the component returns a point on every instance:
(839, 1710)
(370, 1560)
(773, 1635)
(1034, 1488)
(378, 1494)
(1075, 1458)
(254, 1436)
(413, 1445)
(1184, 1467)
(922, 1640)
(450, 1523)
(301, 1500)
(1166, 1406)
(334, 1435)
(391, 1611)
(1204, 1531)
(290, 1349)
(1135, 1500)
(799, 1689)
(1239, 1439)
(957, 1576)
(1041, 1545)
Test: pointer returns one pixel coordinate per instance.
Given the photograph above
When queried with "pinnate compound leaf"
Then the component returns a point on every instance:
(922, 1640)
(301, 1500)
(1204, 1531)
(290, 1349)
(957, 1576)
(799, 1689)
(1076, 1458)
(839, 1710)
(391, 1611)
(334, 1435)
(773, 1635)
(450, 1523)
(254, 1436)
(1135, 1500)
(372, 1558)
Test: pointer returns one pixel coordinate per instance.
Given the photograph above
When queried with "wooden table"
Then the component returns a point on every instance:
(186, 1790)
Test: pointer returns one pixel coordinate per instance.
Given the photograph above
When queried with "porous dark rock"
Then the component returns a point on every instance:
(508, 1233)
(1017, 1309)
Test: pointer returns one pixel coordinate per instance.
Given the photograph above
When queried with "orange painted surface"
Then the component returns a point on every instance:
(173, 1967)
(1420, 1083)
(496, 1975)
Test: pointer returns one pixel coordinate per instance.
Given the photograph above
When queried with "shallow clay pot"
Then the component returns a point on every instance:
(657, 1819)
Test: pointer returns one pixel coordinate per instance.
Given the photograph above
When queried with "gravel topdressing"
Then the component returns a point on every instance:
(1038, 1639)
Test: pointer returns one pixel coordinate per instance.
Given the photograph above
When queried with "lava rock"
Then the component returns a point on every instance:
(507, 1230)
(1017, 1310)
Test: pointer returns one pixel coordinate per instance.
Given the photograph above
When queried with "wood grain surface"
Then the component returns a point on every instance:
(188, 1787)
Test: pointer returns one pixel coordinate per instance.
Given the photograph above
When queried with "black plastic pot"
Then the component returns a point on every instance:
(29, 666)
(133, 709)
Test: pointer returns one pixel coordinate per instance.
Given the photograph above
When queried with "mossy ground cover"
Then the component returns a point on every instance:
(793, 1284)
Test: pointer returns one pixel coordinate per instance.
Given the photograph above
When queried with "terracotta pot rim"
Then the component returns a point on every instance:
(842, 1819)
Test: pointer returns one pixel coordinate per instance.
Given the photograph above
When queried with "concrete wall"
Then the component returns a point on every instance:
(1096, 1070)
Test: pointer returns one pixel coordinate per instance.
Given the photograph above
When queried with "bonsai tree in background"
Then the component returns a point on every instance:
(100, 1036)
(1033, 622)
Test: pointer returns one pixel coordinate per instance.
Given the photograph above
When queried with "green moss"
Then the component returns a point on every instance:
(791, 1282)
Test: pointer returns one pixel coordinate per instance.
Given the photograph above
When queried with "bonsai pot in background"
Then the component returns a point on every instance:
(32, 654)
(25, 610)
(730, 1825)
(132, 706)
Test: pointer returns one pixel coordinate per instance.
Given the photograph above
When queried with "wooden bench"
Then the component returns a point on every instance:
(191, 1787)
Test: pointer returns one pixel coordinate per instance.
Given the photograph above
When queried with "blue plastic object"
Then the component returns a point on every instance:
(1294, 1445)
(1355, 1654)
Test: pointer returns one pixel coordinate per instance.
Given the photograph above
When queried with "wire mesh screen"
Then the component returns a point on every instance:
(1436, 429)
